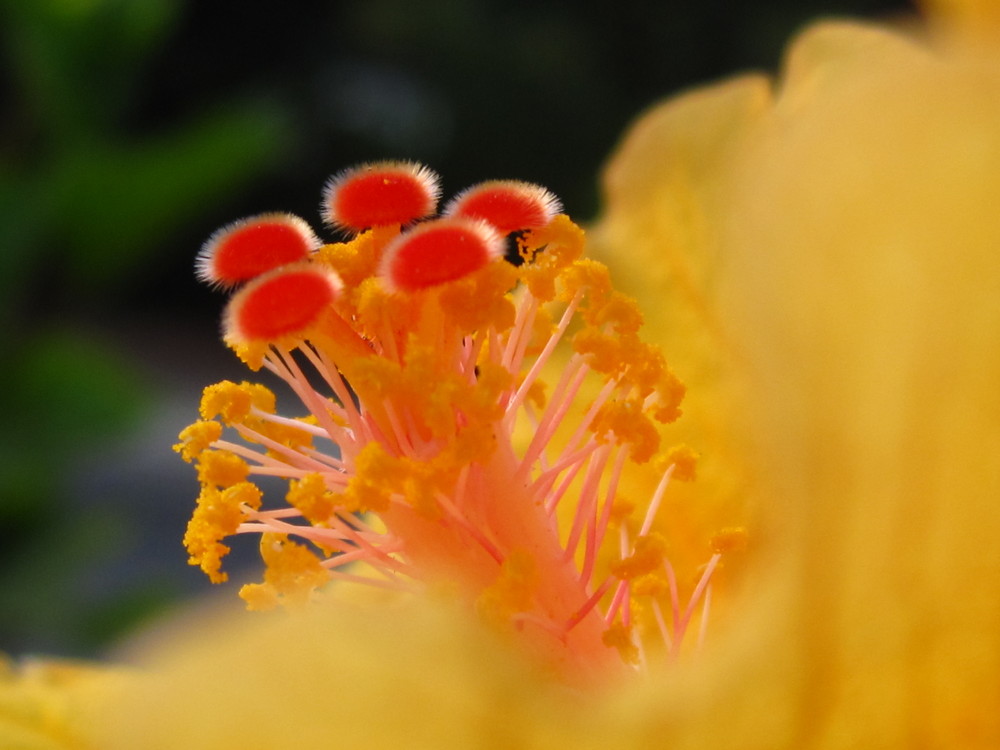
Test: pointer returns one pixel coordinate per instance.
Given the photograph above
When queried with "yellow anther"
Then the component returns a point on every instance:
(479, 300)
(513, 590)
(621, 510)
(378, 379)
(685, 461)
(562, 239)
(415, 481)
(259, 597)
(540, 279)
(602, 350)
(491, 381)
(368, 489)
(648, 556)
(251, 354)
(536, 394)
(353, 261)
(630, 425)
(645, 365)
(217, 516)
(311, 497)
(233, 402)
(293, 573)
(375, 306)
(619, 637)
(197, 438)
(619, 311)
(221, 468)
(548, 253)
(438, 410)
(650, 585)
(730, 539)
(594, 278)
(669, 395)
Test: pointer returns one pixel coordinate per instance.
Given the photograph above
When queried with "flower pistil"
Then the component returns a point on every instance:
(433, 452)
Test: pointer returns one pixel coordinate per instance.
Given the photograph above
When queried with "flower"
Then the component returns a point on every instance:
(434, 453)
(840, 232)
(47, 704)
(835, 238)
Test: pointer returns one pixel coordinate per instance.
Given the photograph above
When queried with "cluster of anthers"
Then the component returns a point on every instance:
(432, 454)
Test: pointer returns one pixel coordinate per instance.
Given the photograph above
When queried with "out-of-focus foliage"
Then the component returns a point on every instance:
(82, 205)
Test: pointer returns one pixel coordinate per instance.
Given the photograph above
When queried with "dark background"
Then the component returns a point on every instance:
(131, 129)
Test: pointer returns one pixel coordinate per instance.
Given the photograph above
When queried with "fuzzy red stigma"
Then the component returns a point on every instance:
(380, 194)
(247, 248)
(280, 303)
(437, 252)
(508, 205)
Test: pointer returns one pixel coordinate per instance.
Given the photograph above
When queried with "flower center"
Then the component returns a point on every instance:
(432, 451)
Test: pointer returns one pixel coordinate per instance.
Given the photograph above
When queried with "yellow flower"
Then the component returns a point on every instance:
(820, 254)
(50, 705)
(840, 232)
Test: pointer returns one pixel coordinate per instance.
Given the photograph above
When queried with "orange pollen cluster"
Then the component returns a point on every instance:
(430, 451)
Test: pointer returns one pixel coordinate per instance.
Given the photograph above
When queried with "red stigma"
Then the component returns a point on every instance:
(437, 252)
(281, 303)
(508, 205)
(247, 248)
(380, 194)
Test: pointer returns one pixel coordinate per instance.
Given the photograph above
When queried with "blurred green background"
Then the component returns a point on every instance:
(131, 129)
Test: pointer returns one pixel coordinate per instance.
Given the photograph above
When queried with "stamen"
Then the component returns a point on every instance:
(550, 346)
(587, 502)
(703, 625)
(598, 529)
(696, 595)
(654, 504)
(422, 360)
(661, 625)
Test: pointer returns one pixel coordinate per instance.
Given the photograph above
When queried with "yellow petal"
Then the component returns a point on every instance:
(660, 234)
(658, 188)
(838, 54)
(977, 21)
(390, 676)
(861, 281)
(50, 705)
(865, 240)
